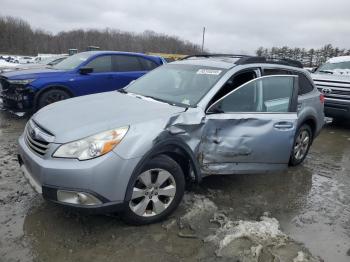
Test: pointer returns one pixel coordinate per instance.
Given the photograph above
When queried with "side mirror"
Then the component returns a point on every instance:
(314, 69)
(85, 70)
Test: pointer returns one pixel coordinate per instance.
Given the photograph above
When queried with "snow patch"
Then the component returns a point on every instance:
(339, 59)
(257, 241)
(199, 211)
(4, 63)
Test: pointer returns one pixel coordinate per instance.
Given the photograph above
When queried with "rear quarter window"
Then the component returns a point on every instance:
(147, 64)
(305, 86)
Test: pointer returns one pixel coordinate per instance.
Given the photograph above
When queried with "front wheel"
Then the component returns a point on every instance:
(301, 146)
(155, 192)
(51, 96)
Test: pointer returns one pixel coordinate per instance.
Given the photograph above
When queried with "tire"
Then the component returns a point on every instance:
(51, 96)
(155, 192)
(301, 145)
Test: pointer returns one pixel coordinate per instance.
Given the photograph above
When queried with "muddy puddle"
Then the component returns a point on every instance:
(302, 214)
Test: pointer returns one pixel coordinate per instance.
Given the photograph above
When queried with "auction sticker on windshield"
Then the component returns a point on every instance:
(208, 72)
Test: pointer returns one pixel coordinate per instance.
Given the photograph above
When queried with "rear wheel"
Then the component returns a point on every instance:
(52, 96)
(155, 192)
(302, 143)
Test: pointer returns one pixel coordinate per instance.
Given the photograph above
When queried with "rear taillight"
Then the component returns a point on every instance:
(322, 98)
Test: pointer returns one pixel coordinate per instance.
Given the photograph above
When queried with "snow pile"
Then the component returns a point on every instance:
(257, 241)
(244, 241)
(199, 206)
(4, 63)
(265, 230)
(199, 211)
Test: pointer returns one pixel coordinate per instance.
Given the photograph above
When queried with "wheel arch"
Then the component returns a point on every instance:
(177, 150)
(311, 122)
(50, 87)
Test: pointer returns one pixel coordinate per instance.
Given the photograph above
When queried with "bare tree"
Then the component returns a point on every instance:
(309, 57)
(17, 37)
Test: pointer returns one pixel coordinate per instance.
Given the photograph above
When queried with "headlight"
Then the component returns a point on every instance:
(93, 146)
(20, 82)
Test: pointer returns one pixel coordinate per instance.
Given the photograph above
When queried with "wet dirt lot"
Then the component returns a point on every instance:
(272, 217)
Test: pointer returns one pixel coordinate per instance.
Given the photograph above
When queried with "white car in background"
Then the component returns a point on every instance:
(333, 80)
(43, 63)
(24, 59)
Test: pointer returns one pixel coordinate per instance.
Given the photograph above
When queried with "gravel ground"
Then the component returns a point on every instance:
(302, 214)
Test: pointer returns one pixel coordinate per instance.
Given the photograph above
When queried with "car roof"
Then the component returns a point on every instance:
(99, 52)
(229, 61)
(219, 62)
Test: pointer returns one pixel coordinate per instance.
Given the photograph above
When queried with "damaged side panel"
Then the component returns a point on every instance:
(245, 143)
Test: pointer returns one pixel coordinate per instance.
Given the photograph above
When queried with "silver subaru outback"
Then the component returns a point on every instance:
(133, 150)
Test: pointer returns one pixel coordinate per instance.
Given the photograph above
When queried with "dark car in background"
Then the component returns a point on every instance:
(81, 74)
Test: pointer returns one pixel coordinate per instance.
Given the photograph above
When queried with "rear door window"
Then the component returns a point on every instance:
(125, 63)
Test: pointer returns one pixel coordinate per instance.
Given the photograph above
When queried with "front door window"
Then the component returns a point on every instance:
(266, 94)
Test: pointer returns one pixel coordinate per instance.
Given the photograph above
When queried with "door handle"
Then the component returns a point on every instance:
(283, 125)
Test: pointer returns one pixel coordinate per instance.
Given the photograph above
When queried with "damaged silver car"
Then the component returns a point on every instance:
(133, 150)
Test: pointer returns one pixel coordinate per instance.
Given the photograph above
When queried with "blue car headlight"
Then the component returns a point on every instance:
(20, 82)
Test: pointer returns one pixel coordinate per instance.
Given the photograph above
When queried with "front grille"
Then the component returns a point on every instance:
(4, 84)
(334, 89)
(33, 137)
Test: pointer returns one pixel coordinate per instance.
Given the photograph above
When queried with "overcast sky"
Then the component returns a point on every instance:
(233, 26)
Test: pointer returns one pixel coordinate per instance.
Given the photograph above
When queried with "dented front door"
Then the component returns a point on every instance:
(251, 129)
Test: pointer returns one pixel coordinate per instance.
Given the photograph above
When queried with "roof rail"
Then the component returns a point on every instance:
(262, 59)
(214, 55)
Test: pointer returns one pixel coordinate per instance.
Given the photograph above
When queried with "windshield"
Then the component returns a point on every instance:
(49, 60)
(72, 62)
(333, 67)
(182, 85)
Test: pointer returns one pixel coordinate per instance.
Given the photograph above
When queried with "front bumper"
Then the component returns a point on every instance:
(105, 177)
(16, 105)
(337, 108)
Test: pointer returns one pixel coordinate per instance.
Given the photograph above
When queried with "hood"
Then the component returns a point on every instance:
(32, 73)
(330, 78)
(22, 67)
(83, 116)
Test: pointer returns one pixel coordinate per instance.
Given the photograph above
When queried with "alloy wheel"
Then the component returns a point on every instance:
(54, 97)
(153, 192)
(301, 145)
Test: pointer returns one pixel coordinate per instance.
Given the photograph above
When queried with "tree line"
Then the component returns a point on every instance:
(18, 37)
(309, 57)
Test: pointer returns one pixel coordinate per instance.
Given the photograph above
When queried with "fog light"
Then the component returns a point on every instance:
(77, 198)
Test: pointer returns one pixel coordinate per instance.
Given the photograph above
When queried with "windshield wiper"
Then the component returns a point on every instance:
(326, 71)
(122, 90)
(161, 100)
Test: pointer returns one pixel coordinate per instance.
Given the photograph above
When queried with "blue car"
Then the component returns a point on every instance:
(81, 74)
